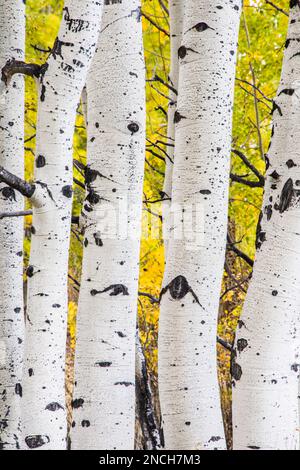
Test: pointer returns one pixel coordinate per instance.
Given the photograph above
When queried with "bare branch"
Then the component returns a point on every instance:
(4, 215)
(25, 188)
(13, 67)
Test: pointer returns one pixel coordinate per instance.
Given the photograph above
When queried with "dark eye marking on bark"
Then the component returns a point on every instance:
(179, 288)
(183, 50)
(286, 196)
(205, 191)
(201, 27)
(57, 48)
(91, 175)
(290, 163)
(287, 91)
(67, 191)
(133, 127)
(30, 372)
(77, 403)
(85, 423)
(126, 384)
(116, 289)
(30, 271)
(103, 364)
(36, 441)
(40, 161)
(74, 25)
(98, 240)
(18, 389)
(242, 344)
(54, 406)
(8, 193)
(275, 175)
(178, 117)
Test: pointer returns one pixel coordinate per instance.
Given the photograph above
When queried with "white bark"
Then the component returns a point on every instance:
(188, 383)
(265, 363)
(104, 396)
(176, 23)
(60, 87)
(12, 43)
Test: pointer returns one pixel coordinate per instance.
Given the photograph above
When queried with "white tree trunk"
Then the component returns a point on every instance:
(265, 362)
(176, 20)
(12, 43)
(104, 395)
(188, 383)
(60, 87)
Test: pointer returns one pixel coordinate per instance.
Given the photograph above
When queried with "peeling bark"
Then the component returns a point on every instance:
(265, 363)
(106, 320)
(188, 383)
(12, 44)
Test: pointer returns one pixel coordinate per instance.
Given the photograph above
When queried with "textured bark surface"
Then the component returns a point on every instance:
(265, 361)
(60, 87)
(104, 394)
(176, 23)
(188, 382)
(12, 43)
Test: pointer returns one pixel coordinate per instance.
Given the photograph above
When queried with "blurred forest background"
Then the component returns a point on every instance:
(261, 44)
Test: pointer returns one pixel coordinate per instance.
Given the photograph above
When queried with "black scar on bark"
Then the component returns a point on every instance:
(286, 196)
(235, 368)
(54, 406)
(269, 211)
(201, 27)
(40, 161)
(287, 91)
(290, 163)
(98, 240)
(126, 384)
(295, 367)
(179, 288)
(294, 3)
(92, 197)
(276, 107)
(275, 175)
(67, 191)
(30, 372)
(241, 344)
(183, 50)
(260, 235)
(8, 193)
(254, 447)
(75, 25)
(91, 175)
(36, 441)
(215, 439)
(103, 364)
(116, 289)
(178, 117)
(18, 389)
(133, 127)
(77, 403)
(30, 271)
(57, 48)
(85, 423)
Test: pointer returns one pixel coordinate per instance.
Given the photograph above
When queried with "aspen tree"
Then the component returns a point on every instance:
(188, 383)
(60, 83)
(12, 43)
(265, 360)
(104, 393)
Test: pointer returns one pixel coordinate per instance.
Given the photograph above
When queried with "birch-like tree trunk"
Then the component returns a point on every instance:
(265, 362)
(104, 394)
(12, 43)
(188, 383)
(61, 81)
(176, 20)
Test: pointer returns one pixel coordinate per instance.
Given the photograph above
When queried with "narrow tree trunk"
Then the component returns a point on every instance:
(12, 43)
(265, 362)
(188, 383)
(176, 20)
(60, 86)
(104, 396)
